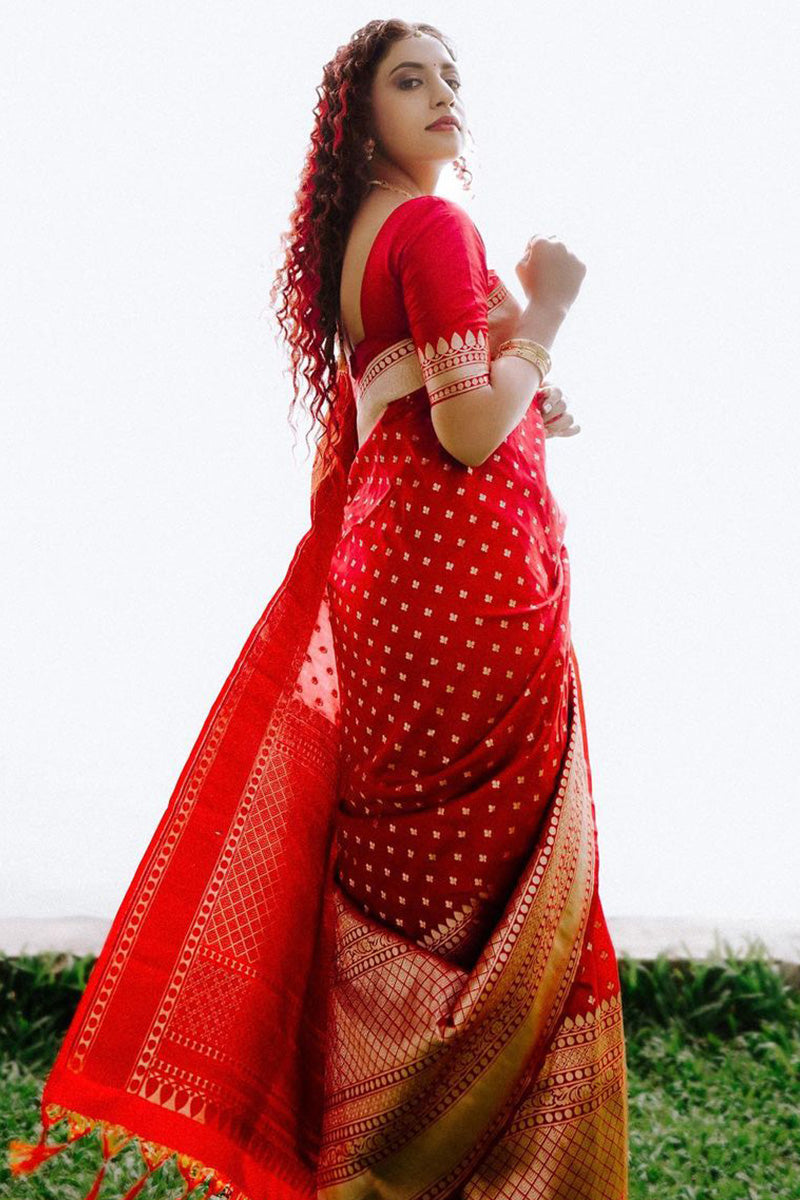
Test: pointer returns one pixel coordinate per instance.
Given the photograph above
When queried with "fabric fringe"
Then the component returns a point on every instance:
(26, 1157)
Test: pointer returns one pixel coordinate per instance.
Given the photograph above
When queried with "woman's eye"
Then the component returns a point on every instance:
(411, 79)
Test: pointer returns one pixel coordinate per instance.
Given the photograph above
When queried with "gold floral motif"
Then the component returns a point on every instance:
(456, 366)
(397, 370)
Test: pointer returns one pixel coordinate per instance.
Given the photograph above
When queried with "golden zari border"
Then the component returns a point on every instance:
(420, 1084)
(453, 367)
(569, 1136)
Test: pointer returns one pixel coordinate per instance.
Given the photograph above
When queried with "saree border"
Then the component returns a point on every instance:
(417, 1131)
(454, 366)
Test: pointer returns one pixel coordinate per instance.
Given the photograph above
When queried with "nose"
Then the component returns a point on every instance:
(447, 91)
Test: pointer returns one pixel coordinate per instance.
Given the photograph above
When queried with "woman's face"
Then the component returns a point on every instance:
(415, 84)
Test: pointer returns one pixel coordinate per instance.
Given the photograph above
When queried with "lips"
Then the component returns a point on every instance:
(444, 123)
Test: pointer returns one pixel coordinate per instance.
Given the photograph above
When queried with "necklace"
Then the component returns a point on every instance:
(392, 187)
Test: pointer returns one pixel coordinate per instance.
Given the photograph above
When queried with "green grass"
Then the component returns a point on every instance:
(713, 1052)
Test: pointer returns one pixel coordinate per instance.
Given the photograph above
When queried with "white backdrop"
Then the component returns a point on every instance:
(151, 496)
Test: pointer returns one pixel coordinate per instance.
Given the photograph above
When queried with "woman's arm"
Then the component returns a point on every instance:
(439, 259)
(472, 426)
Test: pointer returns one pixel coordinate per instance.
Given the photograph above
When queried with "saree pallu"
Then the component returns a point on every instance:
(249, 1021)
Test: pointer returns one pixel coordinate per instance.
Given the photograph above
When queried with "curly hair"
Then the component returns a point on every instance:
(333, 182)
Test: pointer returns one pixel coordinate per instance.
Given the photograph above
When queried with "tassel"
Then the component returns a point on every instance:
(26, 1157)
(153, 1156)
(113, 1138)
(134, 1190)
(193, 1173)
(95, 1188)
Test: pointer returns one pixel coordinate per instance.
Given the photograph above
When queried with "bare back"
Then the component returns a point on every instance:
(369, 218)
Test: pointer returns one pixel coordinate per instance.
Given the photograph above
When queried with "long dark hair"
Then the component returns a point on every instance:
(333, 182)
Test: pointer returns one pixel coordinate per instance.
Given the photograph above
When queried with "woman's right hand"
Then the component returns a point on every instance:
(550, 274)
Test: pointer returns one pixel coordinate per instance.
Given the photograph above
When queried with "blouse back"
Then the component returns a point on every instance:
(429, 305)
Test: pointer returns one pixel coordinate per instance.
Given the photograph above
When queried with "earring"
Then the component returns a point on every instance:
(370, 147)
(463, 172)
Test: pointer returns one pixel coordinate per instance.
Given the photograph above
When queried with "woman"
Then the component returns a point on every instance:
(364, 955)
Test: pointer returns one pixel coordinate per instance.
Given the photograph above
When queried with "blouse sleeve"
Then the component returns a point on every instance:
(441, 266)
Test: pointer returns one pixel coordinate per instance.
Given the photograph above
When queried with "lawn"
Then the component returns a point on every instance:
(713, 1052)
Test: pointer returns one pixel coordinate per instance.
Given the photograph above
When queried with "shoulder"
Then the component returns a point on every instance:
(427, 211)
(428, 224)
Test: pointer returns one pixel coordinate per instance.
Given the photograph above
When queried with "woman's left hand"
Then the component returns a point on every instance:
(553, 407)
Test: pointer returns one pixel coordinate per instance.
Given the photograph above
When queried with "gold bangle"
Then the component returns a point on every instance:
(528, 349)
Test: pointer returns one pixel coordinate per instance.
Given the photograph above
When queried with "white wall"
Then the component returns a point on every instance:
(151, 497)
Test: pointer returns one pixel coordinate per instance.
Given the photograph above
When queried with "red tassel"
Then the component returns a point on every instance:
(113, 1138)
(194, 1173)
(153, 1156)
(26, 1157)
(134, 1190)
(218, 1187)
(95, 1188)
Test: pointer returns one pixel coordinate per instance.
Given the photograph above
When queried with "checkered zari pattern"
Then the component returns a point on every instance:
(568, 1137)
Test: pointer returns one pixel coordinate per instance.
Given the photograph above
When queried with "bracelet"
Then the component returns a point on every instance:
(528, 349)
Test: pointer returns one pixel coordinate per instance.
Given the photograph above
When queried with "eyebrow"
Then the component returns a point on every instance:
(422, 65)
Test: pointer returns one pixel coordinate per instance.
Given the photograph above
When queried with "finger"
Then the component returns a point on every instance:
(568, 432)
(554, 401)
(563, 421)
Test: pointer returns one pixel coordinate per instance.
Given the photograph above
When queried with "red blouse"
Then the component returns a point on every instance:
(422, 327)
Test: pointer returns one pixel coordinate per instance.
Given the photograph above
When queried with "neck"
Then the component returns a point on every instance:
(420, 180)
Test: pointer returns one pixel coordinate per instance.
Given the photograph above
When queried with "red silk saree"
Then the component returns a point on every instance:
(364, 955)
